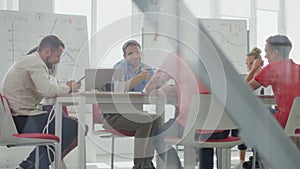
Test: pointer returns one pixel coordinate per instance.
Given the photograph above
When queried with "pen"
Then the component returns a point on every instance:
(80, 79)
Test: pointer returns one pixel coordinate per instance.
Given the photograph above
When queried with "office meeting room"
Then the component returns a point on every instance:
(149, 84)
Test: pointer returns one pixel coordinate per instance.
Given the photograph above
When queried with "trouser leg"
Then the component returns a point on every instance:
(172, 129)
(142, 129)
(206, 154)
(206, 158)
(150, 149)
(36, 124)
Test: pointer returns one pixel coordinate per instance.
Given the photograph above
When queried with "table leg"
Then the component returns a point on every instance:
(189, 157)
(224, 158)
(58, 126)
(81, 133)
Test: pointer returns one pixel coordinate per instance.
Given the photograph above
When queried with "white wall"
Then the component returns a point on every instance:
(74, 7)
(9, 4)
(195, 5)
(110, 15)
(111, 11)
(37, 5)
(3, 4)
(293, 27)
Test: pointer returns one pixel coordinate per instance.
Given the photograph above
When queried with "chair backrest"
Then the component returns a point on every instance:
(206, 113)
(293, 123)
(7, 125)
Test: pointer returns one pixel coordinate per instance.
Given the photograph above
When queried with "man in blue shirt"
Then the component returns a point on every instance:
(136, 76)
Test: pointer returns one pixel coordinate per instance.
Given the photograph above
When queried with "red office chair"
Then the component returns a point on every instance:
(9, 136)
(202, 117)
(104, 133)
(292, 127)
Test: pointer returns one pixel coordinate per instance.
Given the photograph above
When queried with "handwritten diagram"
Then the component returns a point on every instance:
(22, 31)
(231, 36)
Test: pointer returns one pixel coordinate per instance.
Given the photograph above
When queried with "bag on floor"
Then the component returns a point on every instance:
(248, 164)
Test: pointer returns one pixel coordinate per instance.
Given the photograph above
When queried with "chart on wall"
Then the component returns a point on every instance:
(22, 31)
(231, 36)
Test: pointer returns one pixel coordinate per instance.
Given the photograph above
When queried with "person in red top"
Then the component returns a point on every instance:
(186, 85)
(281, 73)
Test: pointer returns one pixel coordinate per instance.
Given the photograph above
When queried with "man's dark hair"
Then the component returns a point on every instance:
(52, 42)
(130, 43)
(280, 43)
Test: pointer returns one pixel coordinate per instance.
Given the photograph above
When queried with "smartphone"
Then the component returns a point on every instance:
(80, 79)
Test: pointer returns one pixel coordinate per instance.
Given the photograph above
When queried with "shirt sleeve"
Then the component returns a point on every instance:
(120, 64)
(40, 78)
(265, 76)
(117, 65)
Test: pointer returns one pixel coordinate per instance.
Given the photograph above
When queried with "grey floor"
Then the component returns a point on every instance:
(124, 161)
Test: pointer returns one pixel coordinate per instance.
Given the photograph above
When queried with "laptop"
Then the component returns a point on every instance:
(101, 79)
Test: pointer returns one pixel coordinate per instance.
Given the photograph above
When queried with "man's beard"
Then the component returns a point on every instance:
(49, 65)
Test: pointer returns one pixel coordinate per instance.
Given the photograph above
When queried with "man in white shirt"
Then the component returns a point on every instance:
(25, 84)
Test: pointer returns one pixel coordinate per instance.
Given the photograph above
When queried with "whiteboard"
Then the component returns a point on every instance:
(231, 36)
(22, 31)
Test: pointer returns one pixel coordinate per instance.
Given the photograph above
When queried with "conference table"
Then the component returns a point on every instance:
(130, 102)
(113, 103)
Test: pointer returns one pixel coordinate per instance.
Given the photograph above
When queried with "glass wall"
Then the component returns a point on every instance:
(112, 17)
(229, 8)
(75, 7)
(293, 27)
(267, 22)
(107, 13)
(9, 4)
(267, 14)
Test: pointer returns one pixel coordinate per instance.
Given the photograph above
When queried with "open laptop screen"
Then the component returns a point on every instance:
(95, 79)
